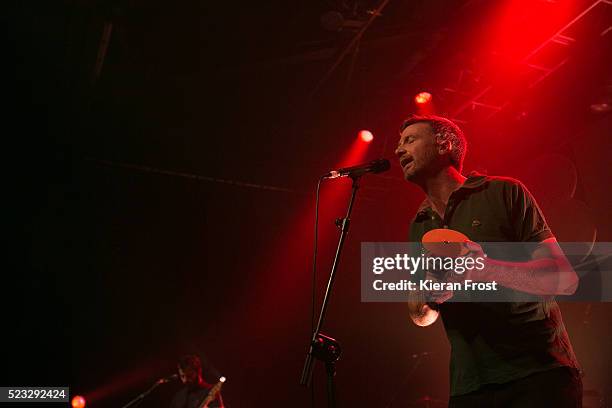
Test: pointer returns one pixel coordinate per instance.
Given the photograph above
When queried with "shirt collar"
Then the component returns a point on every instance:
(473, 180)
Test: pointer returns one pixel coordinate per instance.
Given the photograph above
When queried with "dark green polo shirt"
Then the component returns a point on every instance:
(494, 343)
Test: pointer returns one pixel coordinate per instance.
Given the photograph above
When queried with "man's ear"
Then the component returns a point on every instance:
(445, 146)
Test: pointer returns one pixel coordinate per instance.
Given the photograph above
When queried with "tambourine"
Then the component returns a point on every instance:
(445, 242)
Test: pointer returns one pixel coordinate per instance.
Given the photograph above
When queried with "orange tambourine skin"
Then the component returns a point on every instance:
(445, 242)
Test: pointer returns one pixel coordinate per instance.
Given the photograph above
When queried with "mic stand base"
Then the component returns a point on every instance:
(330, 368)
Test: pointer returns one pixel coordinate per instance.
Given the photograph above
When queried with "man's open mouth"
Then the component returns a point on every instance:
(405, 161)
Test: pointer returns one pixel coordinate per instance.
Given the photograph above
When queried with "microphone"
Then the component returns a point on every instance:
(167, 379)
(375, 166)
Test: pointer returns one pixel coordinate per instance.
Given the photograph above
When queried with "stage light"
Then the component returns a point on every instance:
(78, 402)
(601, 107)
(366, 136)
(422, 98)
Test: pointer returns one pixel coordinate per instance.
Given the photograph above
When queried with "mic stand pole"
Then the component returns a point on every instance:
(322, 347)
(144, 394)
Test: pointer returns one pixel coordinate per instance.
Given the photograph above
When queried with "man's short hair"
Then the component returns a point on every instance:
(190, 361)
(445, 129)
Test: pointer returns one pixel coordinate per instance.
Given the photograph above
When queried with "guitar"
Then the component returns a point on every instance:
(212, 394)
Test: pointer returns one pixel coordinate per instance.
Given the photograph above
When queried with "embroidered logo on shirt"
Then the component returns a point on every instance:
(476, 223)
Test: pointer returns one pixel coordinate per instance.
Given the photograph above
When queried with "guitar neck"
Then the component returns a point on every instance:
(212, 393)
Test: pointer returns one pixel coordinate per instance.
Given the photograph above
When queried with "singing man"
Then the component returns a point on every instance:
(503, 354)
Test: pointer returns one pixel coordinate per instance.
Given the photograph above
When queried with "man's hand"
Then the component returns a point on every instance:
(475, 249)
(422, 304)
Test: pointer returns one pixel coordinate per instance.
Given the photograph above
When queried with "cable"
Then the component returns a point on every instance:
(314, 280)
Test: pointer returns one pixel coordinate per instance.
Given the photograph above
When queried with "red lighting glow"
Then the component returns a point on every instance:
(78, 402)
(422, 98)
(366, 136)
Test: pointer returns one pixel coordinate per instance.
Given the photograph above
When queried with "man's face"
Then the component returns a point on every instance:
(417, 151)
(188, 375)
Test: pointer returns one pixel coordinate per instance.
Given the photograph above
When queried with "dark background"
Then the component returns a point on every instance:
(166, 207)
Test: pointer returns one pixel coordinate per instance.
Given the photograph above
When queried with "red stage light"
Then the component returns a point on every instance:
(422, 98)
(78, 402)
(366, 136)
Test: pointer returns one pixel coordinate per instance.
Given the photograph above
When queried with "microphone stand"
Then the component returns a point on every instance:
(144, 394)
(322, 347)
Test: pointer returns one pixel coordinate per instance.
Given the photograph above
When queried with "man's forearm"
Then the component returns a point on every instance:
(546, 276)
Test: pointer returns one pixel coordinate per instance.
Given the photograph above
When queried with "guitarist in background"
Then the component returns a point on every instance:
(514, 354)
(195, 389)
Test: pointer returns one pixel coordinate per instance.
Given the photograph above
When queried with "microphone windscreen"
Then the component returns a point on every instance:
(381, 165)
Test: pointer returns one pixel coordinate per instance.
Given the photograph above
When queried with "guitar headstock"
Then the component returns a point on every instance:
(217, 387)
